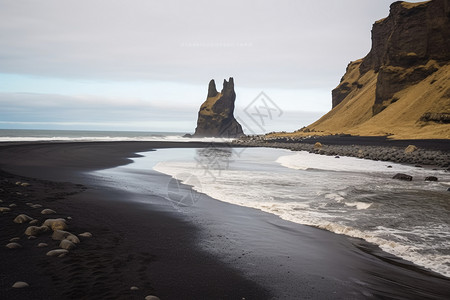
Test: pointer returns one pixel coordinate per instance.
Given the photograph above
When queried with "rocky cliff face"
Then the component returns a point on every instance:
(215, 118)
(405, 76)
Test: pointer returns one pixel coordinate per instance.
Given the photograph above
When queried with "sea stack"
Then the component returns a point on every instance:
(215, 118)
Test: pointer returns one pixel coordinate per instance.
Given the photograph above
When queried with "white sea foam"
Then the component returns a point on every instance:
(304, 161)
(350, 196)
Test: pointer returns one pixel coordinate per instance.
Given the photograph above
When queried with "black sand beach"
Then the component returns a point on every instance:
(216, 251)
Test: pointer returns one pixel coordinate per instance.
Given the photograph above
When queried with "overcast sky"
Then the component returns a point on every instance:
(145, 65)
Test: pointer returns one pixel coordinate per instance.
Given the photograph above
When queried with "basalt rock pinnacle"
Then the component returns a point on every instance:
(215, 118)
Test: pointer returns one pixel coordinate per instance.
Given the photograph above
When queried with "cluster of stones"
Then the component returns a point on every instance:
(410, 155)
(57, 227)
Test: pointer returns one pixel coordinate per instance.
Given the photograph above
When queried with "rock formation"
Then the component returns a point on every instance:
(402, 87)
(215, 118)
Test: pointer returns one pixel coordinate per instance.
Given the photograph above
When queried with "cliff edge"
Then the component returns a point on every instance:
(402, 87)
(215, 117)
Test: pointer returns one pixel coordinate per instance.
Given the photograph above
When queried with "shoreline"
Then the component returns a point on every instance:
(356, 258)
(431, 153)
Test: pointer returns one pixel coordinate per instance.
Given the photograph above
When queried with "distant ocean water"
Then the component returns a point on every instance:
(24, 135)
(349, 196)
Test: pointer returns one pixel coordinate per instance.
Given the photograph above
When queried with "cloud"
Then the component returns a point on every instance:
(41, 109)
(289, 44)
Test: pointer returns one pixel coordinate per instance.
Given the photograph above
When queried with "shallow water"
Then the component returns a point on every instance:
(349, 196)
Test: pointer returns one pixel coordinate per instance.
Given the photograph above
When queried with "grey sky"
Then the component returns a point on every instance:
(162, 52)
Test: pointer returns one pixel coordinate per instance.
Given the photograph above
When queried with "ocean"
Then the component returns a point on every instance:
(349, 196)
(24, 135)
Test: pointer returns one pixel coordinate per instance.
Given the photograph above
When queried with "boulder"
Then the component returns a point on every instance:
(318, 145)
(66, 244)
(410, 149)
(431, 178)
(401, 176)
(56, 224)
(85, 234)
(13, 246)
(5, 209)
(34, 222)
(60, 235)
(36, 230)
(22, 218)
(57, 252)
(20, 285)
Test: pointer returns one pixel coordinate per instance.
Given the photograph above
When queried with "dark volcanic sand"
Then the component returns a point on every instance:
(161, 251)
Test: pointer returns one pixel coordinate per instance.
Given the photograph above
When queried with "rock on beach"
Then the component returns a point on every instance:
(48, 211)
(14, 245)
(60, 235)
(85, 234)
(20, 285)
(401, 176)
(22, 218)
(66, 244)
(56, 224)
(36, 230)
(57, 252)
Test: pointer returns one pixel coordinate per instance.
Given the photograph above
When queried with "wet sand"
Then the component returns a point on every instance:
(212, 250)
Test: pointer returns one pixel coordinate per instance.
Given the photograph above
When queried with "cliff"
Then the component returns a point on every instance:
(402, 87)
(215, 118)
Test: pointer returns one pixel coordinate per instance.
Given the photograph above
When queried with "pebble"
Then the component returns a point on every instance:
(60, 235)
(1, 201)
(42, 245)
(36, 206)
(56, 224)
(134, 288)
(12, 205)
(25, 184)
(34, 222)
(150, 297)
(85, 234)
(13, 246)
(401, 176)
(15, 239)
(66, 244)
(20, 285)
(31, 237)
(57, 252)
(22, 218)
(5, 209)
(48, 211)
(69, 218)
(36, 230)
